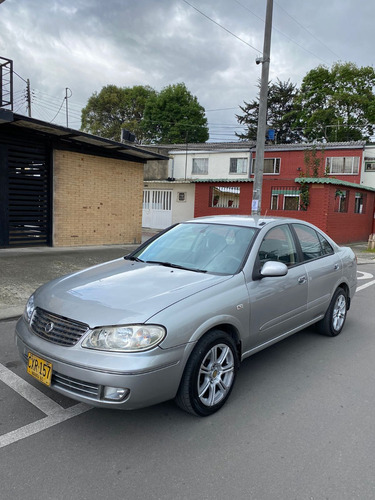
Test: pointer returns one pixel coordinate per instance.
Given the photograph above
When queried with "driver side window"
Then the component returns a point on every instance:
(278, 244)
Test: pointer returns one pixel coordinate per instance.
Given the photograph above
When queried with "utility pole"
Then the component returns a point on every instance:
(262, 117)
(28, 97)
(66, 104)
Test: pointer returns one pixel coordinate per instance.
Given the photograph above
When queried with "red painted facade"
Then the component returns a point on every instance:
(343, 226)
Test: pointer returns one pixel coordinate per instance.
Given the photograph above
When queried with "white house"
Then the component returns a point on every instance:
(368, 167)
(169, 189)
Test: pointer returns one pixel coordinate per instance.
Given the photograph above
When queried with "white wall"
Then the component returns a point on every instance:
(368, 178)
(181, 210)
(180, 166)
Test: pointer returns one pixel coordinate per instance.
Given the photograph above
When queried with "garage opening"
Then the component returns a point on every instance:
(25, 217)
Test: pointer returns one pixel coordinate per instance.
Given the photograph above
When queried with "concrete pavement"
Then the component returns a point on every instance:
(22, 270)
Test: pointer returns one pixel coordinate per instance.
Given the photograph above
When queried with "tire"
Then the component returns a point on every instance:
(209, 375)
(334, 319)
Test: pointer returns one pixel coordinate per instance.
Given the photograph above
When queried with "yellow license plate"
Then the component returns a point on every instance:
(39, 369)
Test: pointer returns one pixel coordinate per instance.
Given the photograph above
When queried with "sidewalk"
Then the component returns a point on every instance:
(22, 270)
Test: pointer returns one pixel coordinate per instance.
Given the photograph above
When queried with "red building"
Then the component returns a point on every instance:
(319, 184)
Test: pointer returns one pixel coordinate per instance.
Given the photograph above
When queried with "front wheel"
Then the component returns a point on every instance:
(334, 319)
(209, 375)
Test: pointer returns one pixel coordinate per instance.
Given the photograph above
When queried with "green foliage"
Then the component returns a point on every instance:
(174, 116)
(337, 104)
(334, 105)
(314, 167)
(314, 163)
(171, 116)
(114, 108)
(280, 114)
(304, 196)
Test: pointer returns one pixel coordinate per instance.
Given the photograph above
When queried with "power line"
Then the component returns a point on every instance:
(309, 32)
(58, 110)
(222, 27)
(283, 34)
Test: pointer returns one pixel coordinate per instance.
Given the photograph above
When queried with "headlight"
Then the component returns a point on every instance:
(29, 309)
(130, 338)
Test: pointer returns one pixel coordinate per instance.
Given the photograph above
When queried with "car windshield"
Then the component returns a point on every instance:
(211, 248)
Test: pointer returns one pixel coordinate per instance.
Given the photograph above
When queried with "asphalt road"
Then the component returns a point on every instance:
(299, 425)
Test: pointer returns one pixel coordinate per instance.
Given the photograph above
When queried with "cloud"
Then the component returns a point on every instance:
(87, 44)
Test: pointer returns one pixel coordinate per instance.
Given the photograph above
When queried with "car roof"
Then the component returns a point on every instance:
(257, 221)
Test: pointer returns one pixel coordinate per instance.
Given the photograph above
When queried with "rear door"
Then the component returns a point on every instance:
(323, 268)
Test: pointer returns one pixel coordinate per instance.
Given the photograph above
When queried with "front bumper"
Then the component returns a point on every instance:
(82, 374)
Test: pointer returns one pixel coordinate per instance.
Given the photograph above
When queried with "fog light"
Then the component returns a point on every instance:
(115, 393)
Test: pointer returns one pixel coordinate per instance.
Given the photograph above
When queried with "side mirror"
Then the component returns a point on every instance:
(273, 268)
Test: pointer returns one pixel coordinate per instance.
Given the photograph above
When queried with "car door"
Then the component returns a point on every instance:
(323, 268)
(277, 304)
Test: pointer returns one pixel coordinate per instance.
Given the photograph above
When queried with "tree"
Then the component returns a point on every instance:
(337, 104)
(114, 108)
(280, 113)
(174, 116)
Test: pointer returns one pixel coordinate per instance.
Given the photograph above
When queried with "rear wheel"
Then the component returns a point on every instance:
(209, 375)
(334, 319)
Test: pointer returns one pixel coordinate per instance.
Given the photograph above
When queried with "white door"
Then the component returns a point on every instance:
(157, 208)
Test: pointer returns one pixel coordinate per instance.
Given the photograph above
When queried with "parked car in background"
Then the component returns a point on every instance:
(175, 318)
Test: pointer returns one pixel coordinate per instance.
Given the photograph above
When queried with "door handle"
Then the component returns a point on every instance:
(302, 279)
(337, 266)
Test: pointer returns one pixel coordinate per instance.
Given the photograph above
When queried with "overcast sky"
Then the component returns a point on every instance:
(84, 45)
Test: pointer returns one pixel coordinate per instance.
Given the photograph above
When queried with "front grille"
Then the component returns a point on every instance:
(57, 329)
(75, 386)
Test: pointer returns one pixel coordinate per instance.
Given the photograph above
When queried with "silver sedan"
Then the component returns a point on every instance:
(175, 318)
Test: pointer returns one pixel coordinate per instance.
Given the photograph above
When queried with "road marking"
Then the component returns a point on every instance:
(365, 276)
(55, 414)
(365, 285)
(40, 425)
(28, 391)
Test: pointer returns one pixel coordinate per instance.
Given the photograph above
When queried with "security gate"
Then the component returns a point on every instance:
(25, 217)
(157, 208)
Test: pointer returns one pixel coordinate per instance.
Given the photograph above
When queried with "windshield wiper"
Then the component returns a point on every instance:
(131, 257)
(175, 266)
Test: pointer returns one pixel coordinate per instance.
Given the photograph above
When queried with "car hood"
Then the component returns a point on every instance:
(120, 292)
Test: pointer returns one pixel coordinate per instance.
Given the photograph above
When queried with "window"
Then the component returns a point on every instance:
(359, 203)
(225, 197)
(326, 247)
(200, 166)
(342, 165)
(370, 166)
(285, 198)
(278, 244)
(275, 202)
(181, 196)
(238, 166)
(291, 202)
(341, 201)
(310, 242)
(271, 166)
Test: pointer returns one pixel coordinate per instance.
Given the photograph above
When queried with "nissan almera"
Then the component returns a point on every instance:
(175, 318)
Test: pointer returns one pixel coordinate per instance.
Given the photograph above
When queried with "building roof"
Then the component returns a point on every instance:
(222, 180)
(126, 151)
(250, 145)
(330, 180)
(203, 146)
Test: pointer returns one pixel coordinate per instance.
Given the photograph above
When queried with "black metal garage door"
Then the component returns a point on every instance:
(24, 193)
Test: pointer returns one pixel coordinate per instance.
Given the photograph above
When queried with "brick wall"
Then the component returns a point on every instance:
(345, 227)
(203, 199)
(292, 163)
(96, 200)
(348, 226)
